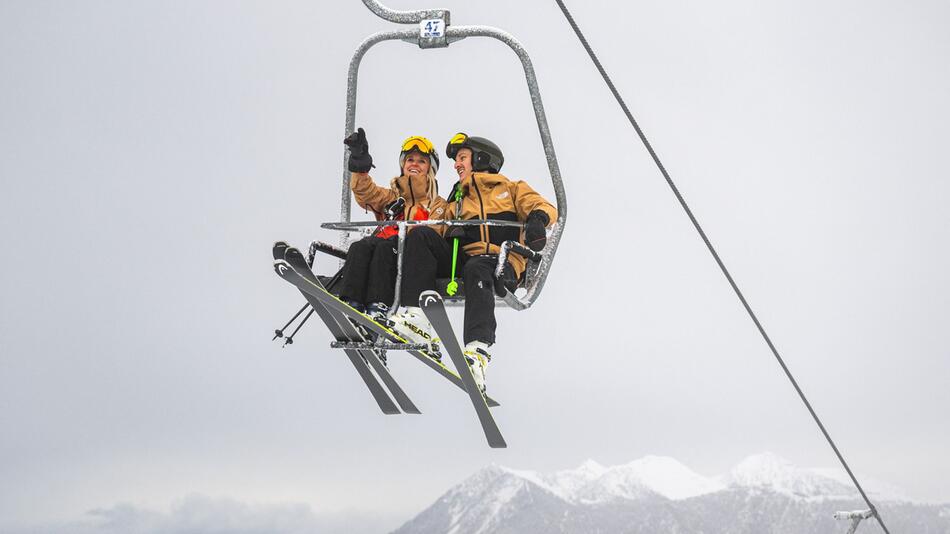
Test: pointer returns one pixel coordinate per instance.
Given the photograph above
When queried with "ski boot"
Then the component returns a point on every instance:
(477, 356)
(412, 325)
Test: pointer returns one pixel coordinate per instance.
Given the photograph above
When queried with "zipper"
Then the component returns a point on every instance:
(481, 204)
(412, 195)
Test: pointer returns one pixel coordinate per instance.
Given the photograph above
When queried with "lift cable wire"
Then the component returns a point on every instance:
(715, 255)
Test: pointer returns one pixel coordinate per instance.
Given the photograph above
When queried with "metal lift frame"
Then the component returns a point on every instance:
(435, 32)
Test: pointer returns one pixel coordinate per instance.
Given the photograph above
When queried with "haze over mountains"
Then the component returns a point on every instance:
(762, 494)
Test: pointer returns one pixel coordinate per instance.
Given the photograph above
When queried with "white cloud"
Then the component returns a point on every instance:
(199, 514)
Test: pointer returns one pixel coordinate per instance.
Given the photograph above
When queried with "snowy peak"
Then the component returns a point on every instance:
(761, 470)
(650, 475)
(593, 483)
(769, 471)
(667, 477)
(590, 466)
(661, 477)
(661, 493)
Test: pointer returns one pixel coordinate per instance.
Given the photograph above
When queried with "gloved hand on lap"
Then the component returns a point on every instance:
(534, 234)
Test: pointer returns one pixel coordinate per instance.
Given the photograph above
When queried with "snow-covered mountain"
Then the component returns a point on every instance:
(656, 494)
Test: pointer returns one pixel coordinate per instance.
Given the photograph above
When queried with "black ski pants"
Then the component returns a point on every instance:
(478, 274)
(428, 256)
(369, 274)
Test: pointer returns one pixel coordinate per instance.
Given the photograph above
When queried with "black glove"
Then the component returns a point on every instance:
(455, 232)
(360, 160)
(396, 207)
(534, 235)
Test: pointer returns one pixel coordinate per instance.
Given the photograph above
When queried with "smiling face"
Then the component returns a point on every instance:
(463, 163)
(416, 164)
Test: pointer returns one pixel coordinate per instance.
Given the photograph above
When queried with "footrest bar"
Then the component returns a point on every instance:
(382, 345)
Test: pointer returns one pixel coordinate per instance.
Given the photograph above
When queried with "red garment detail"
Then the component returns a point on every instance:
(387, 232)
(420, 214)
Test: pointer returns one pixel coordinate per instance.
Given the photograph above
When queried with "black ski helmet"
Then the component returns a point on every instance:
(486, 156)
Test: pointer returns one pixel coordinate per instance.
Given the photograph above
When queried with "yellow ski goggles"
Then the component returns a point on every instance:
(417, 142)
(457, 142)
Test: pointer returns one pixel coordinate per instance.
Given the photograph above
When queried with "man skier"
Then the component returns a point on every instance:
(480, 193)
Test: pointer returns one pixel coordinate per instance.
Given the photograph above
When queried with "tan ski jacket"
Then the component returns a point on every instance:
(493, 196)
(421, 204)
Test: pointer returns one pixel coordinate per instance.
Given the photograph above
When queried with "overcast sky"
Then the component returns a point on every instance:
(151, 152)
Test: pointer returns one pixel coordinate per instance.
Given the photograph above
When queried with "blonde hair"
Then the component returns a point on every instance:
(432, 189)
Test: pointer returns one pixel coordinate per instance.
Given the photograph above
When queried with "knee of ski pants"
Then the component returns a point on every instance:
(385, 245)
(363, 246)
(421, 234)
(479, 268)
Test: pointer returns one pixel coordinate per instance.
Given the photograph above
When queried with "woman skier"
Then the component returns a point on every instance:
(369, 275)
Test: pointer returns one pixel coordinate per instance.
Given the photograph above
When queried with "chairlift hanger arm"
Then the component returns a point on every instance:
(444, 36)
(405, 17)
(457, 33)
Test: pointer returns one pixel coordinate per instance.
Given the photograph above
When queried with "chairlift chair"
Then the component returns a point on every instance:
(434, 31)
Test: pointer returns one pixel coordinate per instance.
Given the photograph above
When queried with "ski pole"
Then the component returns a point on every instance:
(290, 339)
(453, 286)
(280, 331)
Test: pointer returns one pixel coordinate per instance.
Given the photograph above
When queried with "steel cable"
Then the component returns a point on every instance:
(715, 255)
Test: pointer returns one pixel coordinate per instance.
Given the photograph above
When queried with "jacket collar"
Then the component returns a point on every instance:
(413, 189)
(485, 179)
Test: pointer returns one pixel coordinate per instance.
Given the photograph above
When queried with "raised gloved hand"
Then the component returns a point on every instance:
(360, 160)
(534, 226)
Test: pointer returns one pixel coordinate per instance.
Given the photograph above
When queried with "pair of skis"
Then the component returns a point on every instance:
(290, 264)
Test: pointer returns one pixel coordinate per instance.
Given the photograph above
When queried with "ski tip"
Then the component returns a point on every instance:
(281, 267)
(278, 249)
(428, 298)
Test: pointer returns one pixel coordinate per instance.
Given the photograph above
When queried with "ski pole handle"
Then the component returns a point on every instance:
(453, 286)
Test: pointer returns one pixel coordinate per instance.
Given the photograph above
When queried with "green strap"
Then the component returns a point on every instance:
(453, 286)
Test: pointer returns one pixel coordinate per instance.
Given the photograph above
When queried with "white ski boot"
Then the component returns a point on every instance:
(477, 356)
(411, 323)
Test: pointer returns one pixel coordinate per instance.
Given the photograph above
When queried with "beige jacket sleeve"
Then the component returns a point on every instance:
(369, 195)
(527, 200)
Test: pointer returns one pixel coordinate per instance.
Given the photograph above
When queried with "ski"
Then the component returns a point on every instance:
(346, 332)
(431, 303)
(295, 270)
(360, 359)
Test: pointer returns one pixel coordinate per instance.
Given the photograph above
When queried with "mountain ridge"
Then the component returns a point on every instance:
(655, 494)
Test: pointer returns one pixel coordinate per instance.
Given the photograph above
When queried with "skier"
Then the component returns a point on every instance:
(484, 194)
(369, 274)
